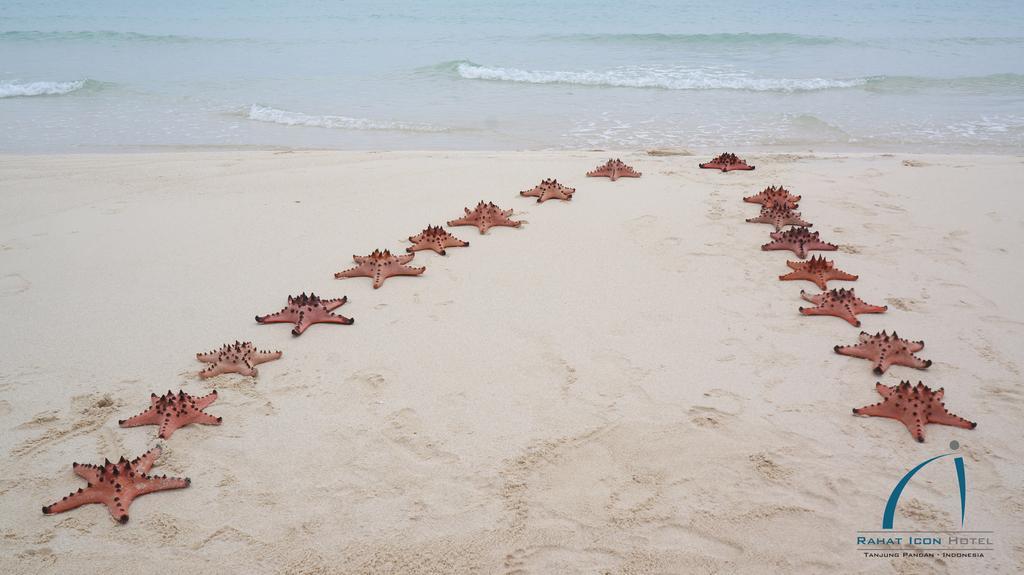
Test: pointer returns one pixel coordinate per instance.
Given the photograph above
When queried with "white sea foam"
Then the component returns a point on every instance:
(17, 89)
(276, 116)
(653, 77)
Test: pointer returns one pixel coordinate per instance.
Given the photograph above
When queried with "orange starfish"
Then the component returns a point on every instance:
(727, 162)
(116, 485)
(818, 270)
(548, 190)
(614, 169)
(172, 412)
(304, 311)
(380, 265)
(840, 303)
(886, 351)
(799, 241)
(772, 195)
(779, 216)
(434, 238)
(240, 357)
(914, 406)
(485, 217)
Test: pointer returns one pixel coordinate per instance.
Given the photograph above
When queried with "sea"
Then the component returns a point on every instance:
(119, 75)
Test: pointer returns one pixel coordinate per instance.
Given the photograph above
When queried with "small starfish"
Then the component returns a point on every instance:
(435, 238)
(818, 270)
(799, 241)
(779, 216)
(840, 303)
(116, 485)
(304, 311)
(614, 169)
(727, 162)
(240, 357)
(380, 265)
(548, 190)
(171, 412)
(485, 217)
(773, 194)
(915, 406)
(885, 351)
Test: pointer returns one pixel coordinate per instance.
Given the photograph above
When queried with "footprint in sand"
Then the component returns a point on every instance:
(13, 284)
(87, 414)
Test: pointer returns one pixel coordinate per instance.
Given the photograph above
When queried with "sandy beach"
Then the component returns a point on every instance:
(621, 385)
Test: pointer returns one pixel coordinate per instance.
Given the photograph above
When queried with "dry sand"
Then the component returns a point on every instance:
(622, 385)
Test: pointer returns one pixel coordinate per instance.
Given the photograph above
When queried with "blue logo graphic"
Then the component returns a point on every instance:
(894, 497)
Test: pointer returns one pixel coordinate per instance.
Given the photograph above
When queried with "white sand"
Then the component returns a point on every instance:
(620, 386)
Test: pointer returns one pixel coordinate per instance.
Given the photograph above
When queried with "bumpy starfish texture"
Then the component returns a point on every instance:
(614, 169)
(780, 216)
(549, 190)
(239, 357)
(486, 216)
(306, 310)
(172, 412)
(116, 485)
(434, 238)
(818, 270)
(727, 162)
(799, 241)
(840, 303)
(772, 195)
(380, 265)
(886, 350)
(915, 406)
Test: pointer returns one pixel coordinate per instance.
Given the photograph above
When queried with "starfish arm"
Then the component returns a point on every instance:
(208, 357)
(815, 311)
(875, 410)
(354, 272)
(169, 426)
(867, 308)
(90, 473)
(207, 419)
(860, 350)
(73, 500)
(153, 484)
(911, 360)
(333, 304)
(614, 175)
(821, 246)
(283, 316)
(404, 259)
(915, 346)
(760, 220)
(467, 221)
(943, 417)
(816, 299)
(145, 461)
(206, 400)
(260, 356)
(774, 246)
(148, 417)
(843, 276)
(211, 371)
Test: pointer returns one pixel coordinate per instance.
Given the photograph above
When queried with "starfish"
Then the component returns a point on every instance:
(171, 412)
(886, 350)
(614, 169)
(240, 357)
(915, 406)
(840, 303)
(548, 190)
(434, 238)
(818, 270)
(380, 265)
(773, 194)
(727, 162)
(799, 241)
(304, 311)
(485, 217)
(779, 216)
(116, 485)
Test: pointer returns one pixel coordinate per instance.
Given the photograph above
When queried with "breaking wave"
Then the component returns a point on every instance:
(21, 89)
(275, 116)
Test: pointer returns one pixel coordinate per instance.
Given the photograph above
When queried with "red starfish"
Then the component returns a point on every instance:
(240, 357)
(771, 195)
(485, 217)
(380, 265)
(799, 241)
(304, 311)
(915, 406)
(171, 412)
(818, 270)
(727, 162)
(548, 190)
(435, 238)
(779, 216)
(886, 350)
(116, 485)
(840, 303)
(614, 169)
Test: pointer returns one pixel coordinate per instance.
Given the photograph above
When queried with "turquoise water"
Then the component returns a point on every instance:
(932, 76)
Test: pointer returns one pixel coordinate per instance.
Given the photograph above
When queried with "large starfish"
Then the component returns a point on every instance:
(886, 350)
(549, 190)
(779, 216)
(434, 238)
(818, 270)
(485, 217)
(614, 169)
(239, 357)
(380, 265)
(772, 195)
(116, 485)
(727, 162)
(840, 303)
(915, 406)
(171, 412)
(799, 241)
(305, 310)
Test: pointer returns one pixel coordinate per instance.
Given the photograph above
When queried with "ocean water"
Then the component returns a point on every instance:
(446, 74)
